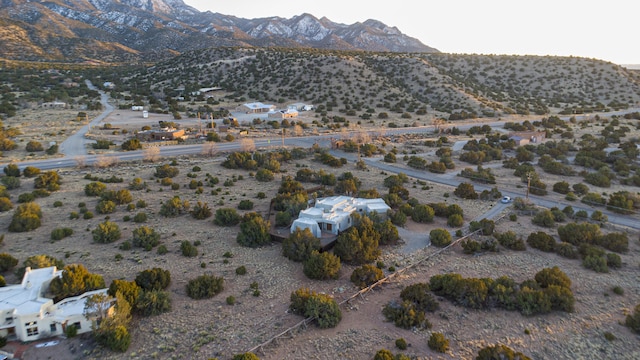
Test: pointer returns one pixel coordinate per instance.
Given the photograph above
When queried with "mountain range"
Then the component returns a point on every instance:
(151, 30)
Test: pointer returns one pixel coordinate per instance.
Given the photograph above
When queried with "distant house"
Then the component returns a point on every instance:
(54, 105)
(256, 108)
(283, 114)
(526, 137)
(109, 85)
(333, 214)
(27, 314)
(208, 92)
(165, 134)
(301, 107)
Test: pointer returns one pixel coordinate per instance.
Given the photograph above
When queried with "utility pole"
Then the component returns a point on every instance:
(283, 132)
(528, 184)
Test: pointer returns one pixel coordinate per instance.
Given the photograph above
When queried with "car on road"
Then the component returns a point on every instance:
(506, 199)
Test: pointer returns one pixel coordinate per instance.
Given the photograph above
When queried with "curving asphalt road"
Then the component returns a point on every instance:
(76, 144)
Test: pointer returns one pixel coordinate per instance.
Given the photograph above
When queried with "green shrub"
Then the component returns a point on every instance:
(162, 249)
(12, 170)
(106, 207)
(596, 263)
(360, 243)
(7, 262)
(440, 237)
(614, 261)
(542, 241)
(145, 237)
(322, 266)
(26, 217)
(366, 275)
(5, 204)
(174, 207)
(419, 294)
(166, 171)
(577, 234)
(201, 211)
(94, 189)
(31, 171)
(188, 249)
(154, 279)
(106, 232)
(61, 233)
(405, 315)
(618, 242)
(566, 250)
(618, 290)
(264, 175)
(500, 352)
(438, 342)
(465, 191)
(401, 344)
(226, 217)
(231, 300)
(632, 321)
(254, 231)
(245, 205)
(153, 302)
(140, 217)
(552, 276)
(283, 218)
(455, 220)
(205, 287)
(510, 241)
(544, 218)
(299, 245)
(246, 356)
(422, 214)
(10, 182)
(324, 309)
(242, 270)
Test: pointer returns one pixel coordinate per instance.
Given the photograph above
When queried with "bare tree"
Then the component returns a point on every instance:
(297, 130)
(81, 161)
(247, 145)
(105, 161)
(437, 124)
(152, 154)
(209, 149)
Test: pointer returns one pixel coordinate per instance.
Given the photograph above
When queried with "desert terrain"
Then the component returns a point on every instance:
(210, 328)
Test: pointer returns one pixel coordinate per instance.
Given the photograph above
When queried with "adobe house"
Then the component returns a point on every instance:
(28, 315)
(283, 114)
(333, 214)
(527, 137)
(165, 134)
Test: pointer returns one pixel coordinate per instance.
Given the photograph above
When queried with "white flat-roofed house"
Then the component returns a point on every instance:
(257, 107)
(28, 315)
(333, 214)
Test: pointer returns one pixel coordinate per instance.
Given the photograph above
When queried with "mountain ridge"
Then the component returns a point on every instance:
(151, 30)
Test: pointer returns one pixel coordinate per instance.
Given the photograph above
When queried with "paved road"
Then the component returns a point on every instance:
(76, 144)
(74, 149)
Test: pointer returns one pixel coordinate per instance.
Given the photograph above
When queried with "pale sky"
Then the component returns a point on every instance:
(605, 30)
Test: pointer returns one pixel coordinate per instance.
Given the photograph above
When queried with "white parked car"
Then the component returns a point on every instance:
(505, 199)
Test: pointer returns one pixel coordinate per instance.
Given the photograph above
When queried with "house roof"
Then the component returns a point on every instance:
(25, 298)
(258, 105)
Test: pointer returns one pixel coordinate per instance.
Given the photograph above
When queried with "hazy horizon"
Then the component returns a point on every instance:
(556, 28)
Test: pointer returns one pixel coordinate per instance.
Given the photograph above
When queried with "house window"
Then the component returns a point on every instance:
(329, 227)
(53, 327)
(77, 325)
(32, 331)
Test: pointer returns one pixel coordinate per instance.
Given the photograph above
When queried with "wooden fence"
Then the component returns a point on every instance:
(303, 324)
